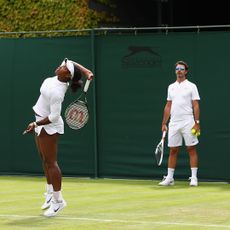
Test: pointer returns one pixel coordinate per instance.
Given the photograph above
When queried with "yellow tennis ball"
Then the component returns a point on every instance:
(198, 133)
(193, 131)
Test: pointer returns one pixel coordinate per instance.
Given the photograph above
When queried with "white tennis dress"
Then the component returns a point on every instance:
(49, 104)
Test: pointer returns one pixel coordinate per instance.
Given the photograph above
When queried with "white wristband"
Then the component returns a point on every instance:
(35, 124)
(198, 121)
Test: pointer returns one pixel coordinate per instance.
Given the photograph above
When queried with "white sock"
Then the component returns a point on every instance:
(170, 172)
(57, 195)
(194, 172)
(49, 188)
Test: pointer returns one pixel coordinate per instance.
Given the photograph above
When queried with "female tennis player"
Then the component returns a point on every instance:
(48, 125)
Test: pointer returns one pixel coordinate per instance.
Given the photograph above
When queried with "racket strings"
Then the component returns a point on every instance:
(77, 115)
(159, 148)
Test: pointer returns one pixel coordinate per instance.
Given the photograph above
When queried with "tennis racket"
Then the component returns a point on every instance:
(159, 151)
(77, 113)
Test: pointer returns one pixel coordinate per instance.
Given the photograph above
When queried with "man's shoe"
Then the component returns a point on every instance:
(55, 208)
(167, 181)
(47, 202)
(193, 181)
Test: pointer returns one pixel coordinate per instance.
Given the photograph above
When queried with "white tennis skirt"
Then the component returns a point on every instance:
(52, 128)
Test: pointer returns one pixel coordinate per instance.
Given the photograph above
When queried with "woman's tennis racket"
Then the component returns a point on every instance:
(159, 151)
(77, 113)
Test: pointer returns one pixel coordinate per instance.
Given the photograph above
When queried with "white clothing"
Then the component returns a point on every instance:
(182, 94)
(179, 131)
(181, 115)
(70, 66)
(54, 127)
(49, 104)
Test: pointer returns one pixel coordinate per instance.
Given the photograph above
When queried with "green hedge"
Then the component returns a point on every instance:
(43, 15)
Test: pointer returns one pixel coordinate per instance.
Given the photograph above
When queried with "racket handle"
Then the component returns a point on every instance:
(163, 134)
(86, 86)
(25, 132)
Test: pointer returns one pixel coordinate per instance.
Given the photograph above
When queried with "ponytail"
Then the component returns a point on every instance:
(76, 81)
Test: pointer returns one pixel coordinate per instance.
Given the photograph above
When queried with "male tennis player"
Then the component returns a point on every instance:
(49, 124)
(183, 109)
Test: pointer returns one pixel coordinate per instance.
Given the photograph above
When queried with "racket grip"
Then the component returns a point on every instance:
(86, 86)
(25, 132)
(163, 134)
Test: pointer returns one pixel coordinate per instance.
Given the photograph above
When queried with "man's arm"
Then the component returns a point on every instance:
(196, 111)
(166, 115)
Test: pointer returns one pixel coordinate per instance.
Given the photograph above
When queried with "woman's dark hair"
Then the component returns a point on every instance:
(76, 81)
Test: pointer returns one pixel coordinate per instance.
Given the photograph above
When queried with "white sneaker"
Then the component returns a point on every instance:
(54, 208)
(167, 181)
(193, 181)
(47, 202)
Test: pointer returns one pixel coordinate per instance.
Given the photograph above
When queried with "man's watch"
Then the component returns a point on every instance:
(198, 121)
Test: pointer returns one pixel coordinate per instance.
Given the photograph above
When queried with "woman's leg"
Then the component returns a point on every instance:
(48, 145)
(48, 179)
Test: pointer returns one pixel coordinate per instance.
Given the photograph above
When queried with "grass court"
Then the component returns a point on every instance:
(109, 204)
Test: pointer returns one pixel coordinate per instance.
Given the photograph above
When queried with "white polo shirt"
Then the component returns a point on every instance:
(49, 103)
(182, 94)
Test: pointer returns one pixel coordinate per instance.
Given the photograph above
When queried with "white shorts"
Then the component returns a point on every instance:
(57, 127)
(179, 131)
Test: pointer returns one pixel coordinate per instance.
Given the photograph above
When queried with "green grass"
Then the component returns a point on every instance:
(107, 204)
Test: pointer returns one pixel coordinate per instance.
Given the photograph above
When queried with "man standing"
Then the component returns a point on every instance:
(183, 109)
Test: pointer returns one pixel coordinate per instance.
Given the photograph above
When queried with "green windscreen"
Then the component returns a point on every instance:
(126, 99)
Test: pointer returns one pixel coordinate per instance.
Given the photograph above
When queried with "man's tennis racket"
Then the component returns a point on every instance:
(77, 113)
(159, 151)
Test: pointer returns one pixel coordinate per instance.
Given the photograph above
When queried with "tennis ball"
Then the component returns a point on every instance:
(198, 133)
(193, 131)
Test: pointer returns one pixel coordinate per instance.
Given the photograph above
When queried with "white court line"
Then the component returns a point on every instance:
(217, 226)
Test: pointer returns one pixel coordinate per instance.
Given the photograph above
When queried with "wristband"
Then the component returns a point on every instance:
(35, 124)
(198, 121)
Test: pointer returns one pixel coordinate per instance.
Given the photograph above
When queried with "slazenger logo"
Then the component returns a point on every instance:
(141, 57)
